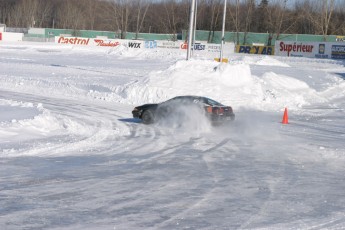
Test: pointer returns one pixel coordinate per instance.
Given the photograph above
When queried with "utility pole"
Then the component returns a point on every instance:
(191, 26)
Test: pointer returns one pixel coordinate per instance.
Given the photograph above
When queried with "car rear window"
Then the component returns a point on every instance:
(211, 102)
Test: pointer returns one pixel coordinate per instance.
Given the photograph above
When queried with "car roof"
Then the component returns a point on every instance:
(188, 97)
(200, 98)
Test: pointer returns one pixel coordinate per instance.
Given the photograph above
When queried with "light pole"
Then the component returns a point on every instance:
(195, 16)
(191, 26)
(223, 32)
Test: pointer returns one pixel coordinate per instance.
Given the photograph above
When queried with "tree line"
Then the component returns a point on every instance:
(319, 17)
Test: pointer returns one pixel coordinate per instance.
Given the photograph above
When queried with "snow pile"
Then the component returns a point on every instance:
(231, 84)
(11, 111)
(335, 91)
(194, 77)
(269, 61)
(32, 121)
(26, 119)
(289, 92)
(261, 60)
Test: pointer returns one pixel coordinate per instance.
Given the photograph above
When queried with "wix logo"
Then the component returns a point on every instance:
(134, 45)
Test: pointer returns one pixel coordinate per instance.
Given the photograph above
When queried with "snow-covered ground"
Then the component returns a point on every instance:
(72, 157)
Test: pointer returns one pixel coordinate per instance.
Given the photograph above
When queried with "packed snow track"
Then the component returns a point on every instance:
(72, 157)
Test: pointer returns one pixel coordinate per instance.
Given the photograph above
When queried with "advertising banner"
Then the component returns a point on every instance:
(338, 51)
(87, 41)
(266, 50)
(335, 50)
(168, 44)
(296, 49)
(11, 37)
(210, 49)
(199, 48)
(151, 44)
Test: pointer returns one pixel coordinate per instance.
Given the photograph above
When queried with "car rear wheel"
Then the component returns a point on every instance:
(147, 117)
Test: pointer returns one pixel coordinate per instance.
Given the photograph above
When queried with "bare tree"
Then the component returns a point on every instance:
(142, 7)
(214, 17)
(337, 26)
(6, 7)
(234, 13)
(168, 16)
(249, 6)
(277, 19)
(326, 15)
(25, 12)
(91, 11)
(71, 16)
(171, 20)
(301, 13)
(261, 14)
(121, 9)
(273, 17)
(319, 13)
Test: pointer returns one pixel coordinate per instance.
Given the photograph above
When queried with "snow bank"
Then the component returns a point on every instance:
(25, 119)
(32, 121)
(277, 86)
(11, 111)
(231, 84)
(257, 60)
(194, 77)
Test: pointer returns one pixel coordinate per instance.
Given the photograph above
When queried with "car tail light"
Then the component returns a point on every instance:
(209, 109)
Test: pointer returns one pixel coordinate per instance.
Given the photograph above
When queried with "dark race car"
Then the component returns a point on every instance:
(179, 106)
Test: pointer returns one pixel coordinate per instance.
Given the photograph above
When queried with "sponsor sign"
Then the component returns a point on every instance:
(338, 51)
(87, 41)
(213, 48)
(302, 49)
(11, 37)
(150, 44)
(323, 50)
(168, 45)
(204, 49)
(198, 46)
(340, 38)
(73, 40)
(296, 49)
(134, 44)
(107, 43)
(267, 50)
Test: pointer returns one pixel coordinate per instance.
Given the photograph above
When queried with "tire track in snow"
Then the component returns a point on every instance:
(208, 193)
(86, 127)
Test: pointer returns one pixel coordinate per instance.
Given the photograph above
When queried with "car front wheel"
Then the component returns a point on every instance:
(147, 117)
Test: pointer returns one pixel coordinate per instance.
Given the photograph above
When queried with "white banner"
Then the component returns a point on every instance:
(87, 41)
(199, 48)
(334, 50)
(11, 37)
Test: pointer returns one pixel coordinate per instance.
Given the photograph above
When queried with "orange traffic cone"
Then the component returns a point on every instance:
(285, 117)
